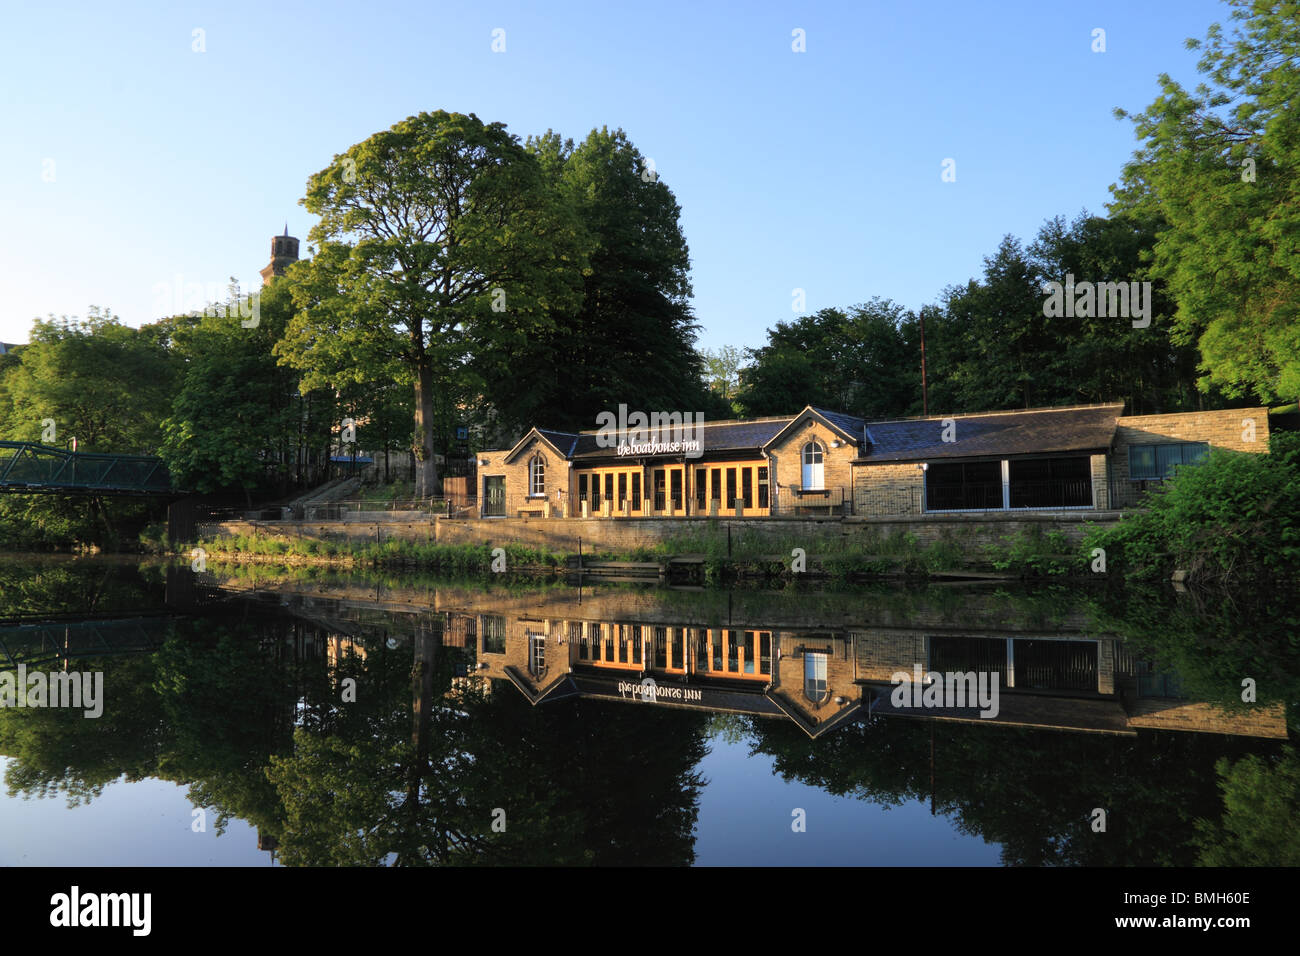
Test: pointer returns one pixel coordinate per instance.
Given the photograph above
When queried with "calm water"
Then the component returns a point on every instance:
(267, 718)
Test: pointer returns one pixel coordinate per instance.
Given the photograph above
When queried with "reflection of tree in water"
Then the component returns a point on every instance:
(50, 586)
(426, 784)
(56, 750)
(407, 773)
(1214, 638)
(1031, 791)
(590, 782)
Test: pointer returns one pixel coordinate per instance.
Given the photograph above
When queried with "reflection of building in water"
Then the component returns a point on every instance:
(818, 662)
(339, 646)
(820, 679)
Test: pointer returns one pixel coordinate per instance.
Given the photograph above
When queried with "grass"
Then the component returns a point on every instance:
(753, 555)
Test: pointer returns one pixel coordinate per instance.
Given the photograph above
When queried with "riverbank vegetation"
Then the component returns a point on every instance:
(1232, 520)
(745, 556)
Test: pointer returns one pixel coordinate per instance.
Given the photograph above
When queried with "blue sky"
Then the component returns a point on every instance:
(131, 160)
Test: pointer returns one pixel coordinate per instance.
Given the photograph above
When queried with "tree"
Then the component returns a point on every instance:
(1108, 358)
(631, 338)
(435, 234)
(722, 368)
(102, 382)
(1221, 164)
(993, 347)
(864, 361)
(237, 420)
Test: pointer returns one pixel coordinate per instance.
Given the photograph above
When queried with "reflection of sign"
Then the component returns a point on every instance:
(660, 448)
(653, 693)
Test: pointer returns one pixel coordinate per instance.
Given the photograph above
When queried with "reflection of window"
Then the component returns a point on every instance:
(537, 475)
(814, 676)
(537, 653)
(494, 634)
(1159, 461)
(813, 466)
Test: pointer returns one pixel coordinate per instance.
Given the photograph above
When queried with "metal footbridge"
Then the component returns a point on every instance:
(30, 467)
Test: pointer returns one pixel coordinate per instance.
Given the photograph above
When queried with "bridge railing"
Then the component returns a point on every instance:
(41, 467)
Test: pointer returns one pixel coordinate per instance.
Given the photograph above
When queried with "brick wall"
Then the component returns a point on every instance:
(883, 653)
(1225, 429)
(884, 490)
(787, 457)
(1159, 714)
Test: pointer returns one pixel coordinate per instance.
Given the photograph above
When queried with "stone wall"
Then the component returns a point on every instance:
(626, 534)
(1162, 714)
(1233, 429)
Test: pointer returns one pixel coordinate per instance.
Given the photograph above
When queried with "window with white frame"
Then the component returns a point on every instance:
(537, 653)
(814, 474)
(815, 687)
(537, 475)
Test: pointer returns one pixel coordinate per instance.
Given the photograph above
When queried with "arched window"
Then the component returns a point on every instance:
(814, 676)
(813, 466)
(537, 475)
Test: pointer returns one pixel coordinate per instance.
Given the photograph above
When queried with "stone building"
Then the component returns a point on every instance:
(821, 462)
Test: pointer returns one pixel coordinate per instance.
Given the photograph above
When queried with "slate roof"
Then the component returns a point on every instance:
(1038, 431)
(561, 440)
(717, 436)
(849, 424)
(1031, 432)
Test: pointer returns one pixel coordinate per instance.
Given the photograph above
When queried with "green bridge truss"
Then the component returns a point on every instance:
(30, 467)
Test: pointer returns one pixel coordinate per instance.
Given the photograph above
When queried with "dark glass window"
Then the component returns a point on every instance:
(1146, 462)
(971, 485)
(1050, 482)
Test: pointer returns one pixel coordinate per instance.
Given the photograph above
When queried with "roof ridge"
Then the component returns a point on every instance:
(1005, 411)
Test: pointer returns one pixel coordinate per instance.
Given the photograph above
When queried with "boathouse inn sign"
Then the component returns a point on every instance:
(658, 433)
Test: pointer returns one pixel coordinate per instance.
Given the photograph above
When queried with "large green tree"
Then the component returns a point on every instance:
(1221, 164)
(436, 234)
(102, 382)
(864, 360)
(631, 337)
(237, 420)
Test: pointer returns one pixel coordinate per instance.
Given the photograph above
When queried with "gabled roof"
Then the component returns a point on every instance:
(850, 427)
(812, 728)
(1036, 431)
(560, 442)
